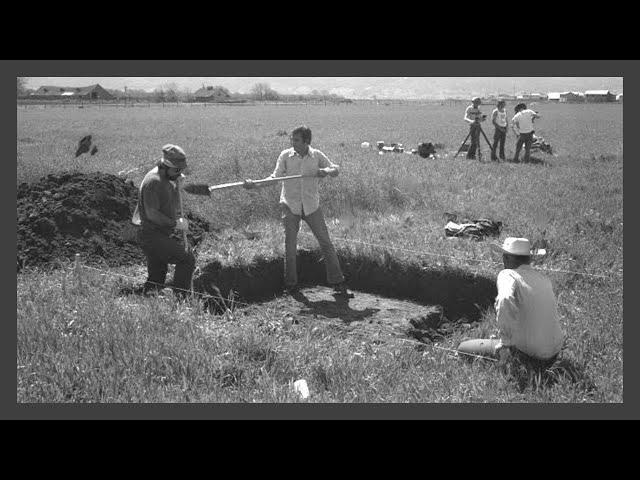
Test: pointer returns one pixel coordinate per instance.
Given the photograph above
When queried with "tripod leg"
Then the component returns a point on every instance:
(462, 144)
(488, 142)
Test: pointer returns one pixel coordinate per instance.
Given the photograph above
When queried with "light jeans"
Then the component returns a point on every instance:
(318, 226)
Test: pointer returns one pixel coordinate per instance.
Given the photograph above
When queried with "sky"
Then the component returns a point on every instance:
(355, 87)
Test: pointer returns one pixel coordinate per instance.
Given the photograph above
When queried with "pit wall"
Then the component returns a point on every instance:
(459, 292)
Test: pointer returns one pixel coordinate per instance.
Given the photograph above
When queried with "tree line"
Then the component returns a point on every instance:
(172, 93)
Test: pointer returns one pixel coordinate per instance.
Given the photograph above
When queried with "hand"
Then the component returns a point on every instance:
(182, 224)
(322, 172)
(248, 184)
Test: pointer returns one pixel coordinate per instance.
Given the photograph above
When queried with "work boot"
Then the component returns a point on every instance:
(340, 289)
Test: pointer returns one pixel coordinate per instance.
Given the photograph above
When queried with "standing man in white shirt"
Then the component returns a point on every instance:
(300, 200)
(473, 116)
(499, 120)
(522, 124)
(526, 310)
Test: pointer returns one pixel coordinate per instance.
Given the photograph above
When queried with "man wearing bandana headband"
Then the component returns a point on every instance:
(157, 212)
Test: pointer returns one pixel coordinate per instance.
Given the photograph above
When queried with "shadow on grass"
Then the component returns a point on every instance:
(529, 374)
(532, 161)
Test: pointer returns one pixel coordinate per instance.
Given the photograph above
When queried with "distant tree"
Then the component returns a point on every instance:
(170, 92)
(159, 95)
(259, 90)
(263, 91)
(22, 85)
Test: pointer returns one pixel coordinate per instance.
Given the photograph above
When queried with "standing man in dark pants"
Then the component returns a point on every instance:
(299, 200)
(522, 124)
(158, 212)
(499, 119)
(473, 116)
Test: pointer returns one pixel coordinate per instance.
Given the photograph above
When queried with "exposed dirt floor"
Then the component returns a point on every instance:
(366, 314)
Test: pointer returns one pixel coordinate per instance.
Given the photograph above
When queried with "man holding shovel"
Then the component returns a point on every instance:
(159, 213)
(300, 200)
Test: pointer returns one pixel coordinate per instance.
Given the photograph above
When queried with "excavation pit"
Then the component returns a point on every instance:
(421, 298)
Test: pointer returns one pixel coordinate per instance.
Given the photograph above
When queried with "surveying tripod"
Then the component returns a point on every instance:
(479, 151)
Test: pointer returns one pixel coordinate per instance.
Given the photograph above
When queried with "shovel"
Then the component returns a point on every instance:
(204, 189)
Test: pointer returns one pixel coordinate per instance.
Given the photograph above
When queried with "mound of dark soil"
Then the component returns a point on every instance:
(69, 213)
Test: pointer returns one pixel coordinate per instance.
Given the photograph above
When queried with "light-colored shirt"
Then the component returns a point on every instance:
(472, 113)
(301, 195)
(522, 121)
(500, 117)
(526, 312)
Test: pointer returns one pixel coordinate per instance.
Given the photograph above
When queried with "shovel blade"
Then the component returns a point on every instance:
(198, 189)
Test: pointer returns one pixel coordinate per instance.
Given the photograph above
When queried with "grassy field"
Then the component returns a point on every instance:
(86, 343)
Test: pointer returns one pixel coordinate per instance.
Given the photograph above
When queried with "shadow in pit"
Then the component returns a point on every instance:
(461, 293)
(338, 309)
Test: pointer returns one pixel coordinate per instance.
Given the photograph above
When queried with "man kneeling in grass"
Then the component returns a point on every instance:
(526, 311)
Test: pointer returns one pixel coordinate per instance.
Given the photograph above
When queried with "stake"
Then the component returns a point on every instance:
(184, 232)
(78, 269)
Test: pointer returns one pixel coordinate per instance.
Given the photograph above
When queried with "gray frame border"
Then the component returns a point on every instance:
(628, 69)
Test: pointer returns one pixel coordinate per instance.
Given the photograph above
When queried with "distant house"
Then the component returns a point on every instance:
(554, 96)
(92, 92)
(571, 97)
(212, 94)
(599, 96)
(619, 98)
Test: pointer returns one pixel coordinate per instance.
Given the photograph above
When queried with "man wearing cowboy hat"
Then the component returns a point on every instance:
(473, 116)
(526, 310)
(158, 212)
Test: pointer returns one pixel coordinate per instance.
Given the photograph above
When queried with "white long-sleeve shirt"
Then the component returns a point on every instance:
(527, 313)
(299, 194)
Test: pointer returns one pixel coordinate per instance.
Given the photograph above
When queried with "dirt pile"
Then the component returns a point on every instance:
(69, 213)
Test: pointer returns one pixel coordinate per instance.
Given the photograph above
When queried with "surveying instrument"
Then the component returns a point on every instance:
(478, 126)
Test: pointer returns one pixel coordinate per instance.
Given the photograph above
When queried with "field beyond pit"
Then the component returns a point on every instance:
(88, 342)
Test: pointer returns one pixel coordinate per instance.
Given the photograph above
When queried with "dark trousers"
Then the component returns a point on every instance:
(499, 137)
(475, 140)
(525, 139)
(162, 250)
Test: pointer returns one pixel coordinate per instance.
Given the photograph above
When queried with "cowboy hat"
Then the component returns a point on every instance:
(516, 246)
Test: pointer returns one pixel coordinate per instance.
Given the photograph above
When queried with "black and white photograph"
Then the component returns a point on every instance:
(320, 240)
